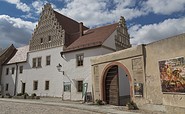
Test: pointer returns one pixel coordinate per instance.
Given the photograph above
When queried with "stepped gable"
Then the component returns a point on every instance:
(54, 30)
(20, 56)
(92, 37)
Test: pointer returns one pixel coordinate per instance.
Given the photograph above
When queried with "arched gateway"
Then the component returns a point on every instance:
(116, 84)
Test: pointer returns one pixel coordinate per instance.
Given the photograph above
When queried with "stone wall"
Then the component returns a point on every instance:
(142, 65)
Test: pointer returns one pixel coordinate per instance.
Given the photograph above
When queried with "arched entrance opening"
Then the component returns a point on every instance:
(116, 85)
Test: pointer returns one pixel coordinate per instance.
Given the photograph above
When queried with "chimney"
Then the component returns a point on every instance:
(81, 29)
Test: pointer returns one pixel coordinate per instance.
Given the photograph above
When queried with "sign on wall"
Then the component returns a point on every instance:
(172, 75)
(67, 86)
(138, 89)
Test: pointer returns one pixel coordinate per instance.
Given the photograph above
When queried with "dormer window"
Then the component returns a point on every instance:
(41, 40)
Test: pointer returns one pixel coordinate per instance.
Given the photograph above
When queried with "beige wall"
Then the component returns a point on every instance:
(142, 65)
(163, 50)
(124, 59)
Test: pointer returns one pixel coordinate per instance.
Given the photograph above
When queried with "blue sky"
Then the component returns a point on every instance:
(147, 20)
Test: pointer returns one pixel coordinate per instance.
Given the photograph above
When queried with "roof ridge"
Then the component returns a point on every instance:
(104, 26)
(65, 16)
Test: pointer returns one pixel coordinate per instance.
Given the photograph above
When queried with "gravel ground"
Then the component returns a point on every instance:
(27, 108)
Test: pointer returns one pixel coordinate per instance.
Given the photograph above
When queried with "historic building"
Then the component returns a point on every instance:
(152, 75)
(5, 56)
(58, 41)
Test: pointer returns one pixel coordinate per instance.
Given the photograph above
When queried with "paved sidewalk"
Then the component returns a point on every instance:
(105, 109)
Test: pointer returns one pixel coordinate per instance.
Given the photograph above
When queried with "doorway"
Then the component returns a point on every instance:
(116, 86)
(23, 88)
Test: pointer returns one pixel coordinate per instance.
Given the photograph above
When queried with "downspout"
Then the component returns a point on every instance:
(16, 76)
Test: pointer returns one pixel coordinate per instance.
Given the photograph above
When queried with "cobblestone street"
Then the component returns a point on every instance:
(30, 108)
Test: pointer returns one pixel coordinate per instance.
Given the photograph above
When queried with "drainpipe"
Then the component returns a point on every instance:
(16, 76)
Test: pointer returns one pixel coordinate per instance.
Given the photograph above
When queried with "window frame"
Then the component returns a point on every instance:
(79, 60)
(47, 85)
(35, 85)
(34, 62)
(7, 71)
(39, 63)
(79, 85)
(21, 69)
(41, 40)
(49, 38)
(6, 87)
(48, 61)
(13, 70)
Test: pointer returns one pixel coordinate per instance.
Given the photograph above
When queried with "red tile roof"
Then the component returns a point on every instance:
(69, 25)
(92, 37)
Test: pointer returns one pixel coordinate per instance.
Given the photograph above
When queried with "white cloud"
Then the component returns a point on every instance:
(98, 12)
(153, 32)
(38, 5)
(19, 5)
(14, 31)
(165, 7)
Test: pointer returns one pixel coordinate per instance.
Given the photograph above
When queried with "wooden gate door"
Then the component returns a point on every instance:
(111, 86)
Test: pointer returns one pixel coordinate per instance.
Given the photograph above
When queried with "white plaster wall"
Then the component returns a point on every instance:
(124, 86)
(51, 73)
(110, 41)
(10, 78)
(82, 72)
(45, 73)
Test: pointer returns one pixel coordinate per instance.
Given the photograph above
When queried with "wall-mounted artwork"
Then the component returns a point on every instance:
(138, 89)
(172, 75)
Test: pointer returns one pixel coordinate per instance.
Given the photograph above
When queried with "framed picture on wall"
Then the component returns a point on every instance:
(138, 89)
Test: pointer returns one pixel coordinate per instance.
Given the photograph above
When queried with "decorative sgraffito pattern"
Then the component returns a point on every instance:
(48, 33)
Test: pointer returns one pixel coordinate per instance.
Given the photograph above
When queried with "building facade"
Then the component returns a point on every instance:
(60, 41)
(151, 75)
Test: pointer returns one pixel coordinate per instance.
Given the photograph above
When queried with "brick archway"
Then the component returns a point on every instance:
(103, 77)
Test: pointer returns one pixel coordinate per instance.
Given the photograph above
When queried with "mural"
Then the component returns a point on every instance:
(172, 74)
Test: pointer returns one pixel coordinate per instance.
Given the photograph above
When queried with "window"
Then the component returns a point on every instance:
(6, 87)
(67, 86)
(41, 40)
(13, 69)
(39, 62)
(46, 85)
(48, 60)
(49, 38)
(80, 86)
(34, 63)
(7, 71)
(79, 59)
(21, 69)
(35, 85)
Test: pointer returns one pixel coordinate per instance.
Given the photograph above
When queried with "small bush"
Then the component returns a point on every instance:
(26, 94)
(132, 106)
(19, 94)
(33, 94)
(8, 94)
(99, 102)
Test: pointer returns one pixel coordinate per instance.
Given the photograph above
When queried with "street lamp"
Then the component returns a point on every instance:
(59, 68)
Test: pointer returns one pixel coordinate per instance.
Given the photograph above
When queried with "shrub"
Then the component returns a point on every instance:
(99, 102)
(33, 94)
(132, 106)
(19, 94)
